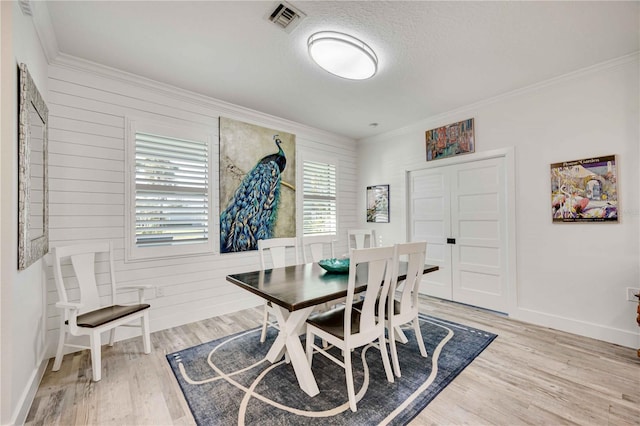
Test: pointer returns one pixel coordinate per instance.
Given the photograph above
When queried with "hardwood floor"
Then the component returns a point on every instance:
(528, 375)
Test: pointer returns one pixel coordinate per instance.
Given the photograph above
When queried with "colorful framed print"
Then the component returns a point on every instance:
(585, 190)
(451, 140)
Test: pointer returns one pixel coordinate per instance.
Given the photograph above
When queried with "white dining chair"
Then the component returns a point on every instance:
(402, 304)
(276, 250)
(85, 315)
(361, 238)
(317, 247)
(348, 328)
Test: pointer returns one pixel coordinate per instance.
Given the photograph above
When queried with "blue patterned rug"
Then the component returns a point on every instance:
(228, 381)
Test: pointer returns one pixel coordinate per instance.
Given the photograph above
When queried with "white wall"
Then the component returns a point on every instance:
(22, 342)
(88, 106)
(569, 276)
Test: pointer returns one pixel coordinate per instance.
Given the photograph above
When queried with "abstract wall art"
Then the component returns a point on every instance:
(257, 185)
(585, 190)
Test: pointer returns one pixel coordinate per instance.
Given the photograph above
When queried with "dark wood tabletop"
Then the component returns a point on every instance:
(300, 286)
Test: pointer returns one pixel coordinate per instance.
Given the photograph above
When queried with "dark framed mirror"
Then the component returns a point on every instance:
(33, 195)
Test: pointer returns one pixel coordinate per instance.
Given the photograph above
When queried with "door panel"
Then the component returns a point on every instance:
(467, 202)
(488, 284)
(430, 221)
(477, 203)
(478, 222)
(480, 256)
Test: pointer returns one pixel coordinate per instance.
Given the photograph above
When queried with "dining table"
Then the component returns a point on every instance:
(294, 292)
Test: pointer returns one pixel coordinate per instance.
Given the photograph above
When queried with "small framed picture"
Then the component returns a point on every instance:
(378, 203)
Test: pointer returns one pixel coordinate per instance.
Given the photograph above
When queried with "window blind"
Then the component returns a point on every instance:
(319, 199)
(172, 191)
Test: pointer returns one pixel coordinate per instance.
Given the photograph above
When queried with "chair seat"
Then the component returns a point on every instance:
(333, 322)
(107, 314)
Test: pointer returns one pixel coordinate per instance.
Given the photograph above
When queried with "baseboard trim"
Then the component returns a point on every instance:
(19, 417)
(617, 336)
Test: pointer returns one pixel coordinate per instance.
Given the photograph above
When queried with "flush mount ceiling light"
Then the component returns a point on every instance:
(343, 55)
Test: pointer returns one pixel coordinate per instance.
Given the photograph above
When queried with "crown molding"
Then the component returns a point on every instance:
(44, 28)
(222, 107)
(612, 63)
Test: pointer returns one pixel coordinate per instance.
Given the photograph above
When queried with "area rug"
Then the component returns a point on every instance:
(229, 381)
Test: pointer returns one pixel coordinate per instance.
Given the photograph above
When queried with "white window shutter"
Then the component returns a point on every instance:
(171, 191)
(319, 199)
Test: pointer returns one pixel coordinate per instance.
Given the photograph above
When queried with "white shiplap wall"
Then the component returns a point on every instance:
(88, 106)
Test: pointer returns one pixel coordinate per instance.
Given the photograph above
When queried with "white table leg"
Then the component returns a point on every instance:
(288, 339)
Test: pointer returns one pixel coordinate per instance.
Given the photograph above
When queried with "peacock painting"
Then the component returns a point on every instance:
(257, 198)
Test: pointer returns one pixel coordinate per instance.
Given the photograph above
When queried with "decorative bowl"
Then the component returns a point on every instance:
(335, 266)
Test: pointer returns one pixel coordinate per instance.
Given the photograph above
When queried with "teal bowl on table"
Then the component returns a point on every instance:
(335, 266)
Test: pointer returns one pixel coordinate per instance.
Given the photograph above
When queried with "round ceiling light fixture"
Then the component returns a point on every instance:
(342, 55)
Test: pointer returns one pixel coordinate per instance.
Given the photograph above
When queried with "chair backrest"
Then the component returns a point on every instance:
(83, 264)
(361, 238)
(379, 269)
(315, 245)
(277, 248)
(415, 254)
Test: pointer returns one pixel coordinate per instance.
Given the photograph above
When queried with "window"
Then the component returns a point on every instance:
(169, 191)
(319, 199)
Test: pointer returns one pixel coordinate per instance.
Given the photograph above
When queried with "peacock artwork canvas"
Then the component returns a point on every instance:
(257, 185)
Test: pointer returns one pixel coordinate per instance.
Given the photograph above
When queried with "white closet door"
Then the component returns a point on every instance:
(465, 203)
(478, 224)
(430, 220)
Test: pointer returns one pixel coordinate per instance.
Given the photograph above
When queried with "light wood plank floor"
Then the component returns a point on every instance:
(528, 375)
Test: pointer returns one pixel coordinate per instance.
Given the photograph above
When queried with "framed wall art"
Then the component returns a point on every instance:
(585, 190)
(257, 185)
(378, 203)
(450, 140)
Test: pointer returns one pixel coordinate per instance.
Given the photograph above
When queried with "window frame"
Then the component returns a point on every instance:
(168, 130)
(320, 159)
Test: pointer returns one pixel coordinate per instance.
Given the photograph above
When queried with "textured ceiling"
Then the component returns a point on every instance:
(434, 56)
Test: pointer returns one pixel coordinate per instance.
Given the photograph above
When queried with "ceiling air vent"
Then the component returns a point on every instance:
(286, 16)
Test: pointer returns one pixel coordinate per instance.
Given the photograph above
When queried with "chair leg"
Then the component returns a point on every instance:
(385, 357)
(348, 371)
(146, 337)
(400, 337)
(265, 320)
(58, 361)
(394, 349)
(96, 356)
(416, 328)
(112, 336)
